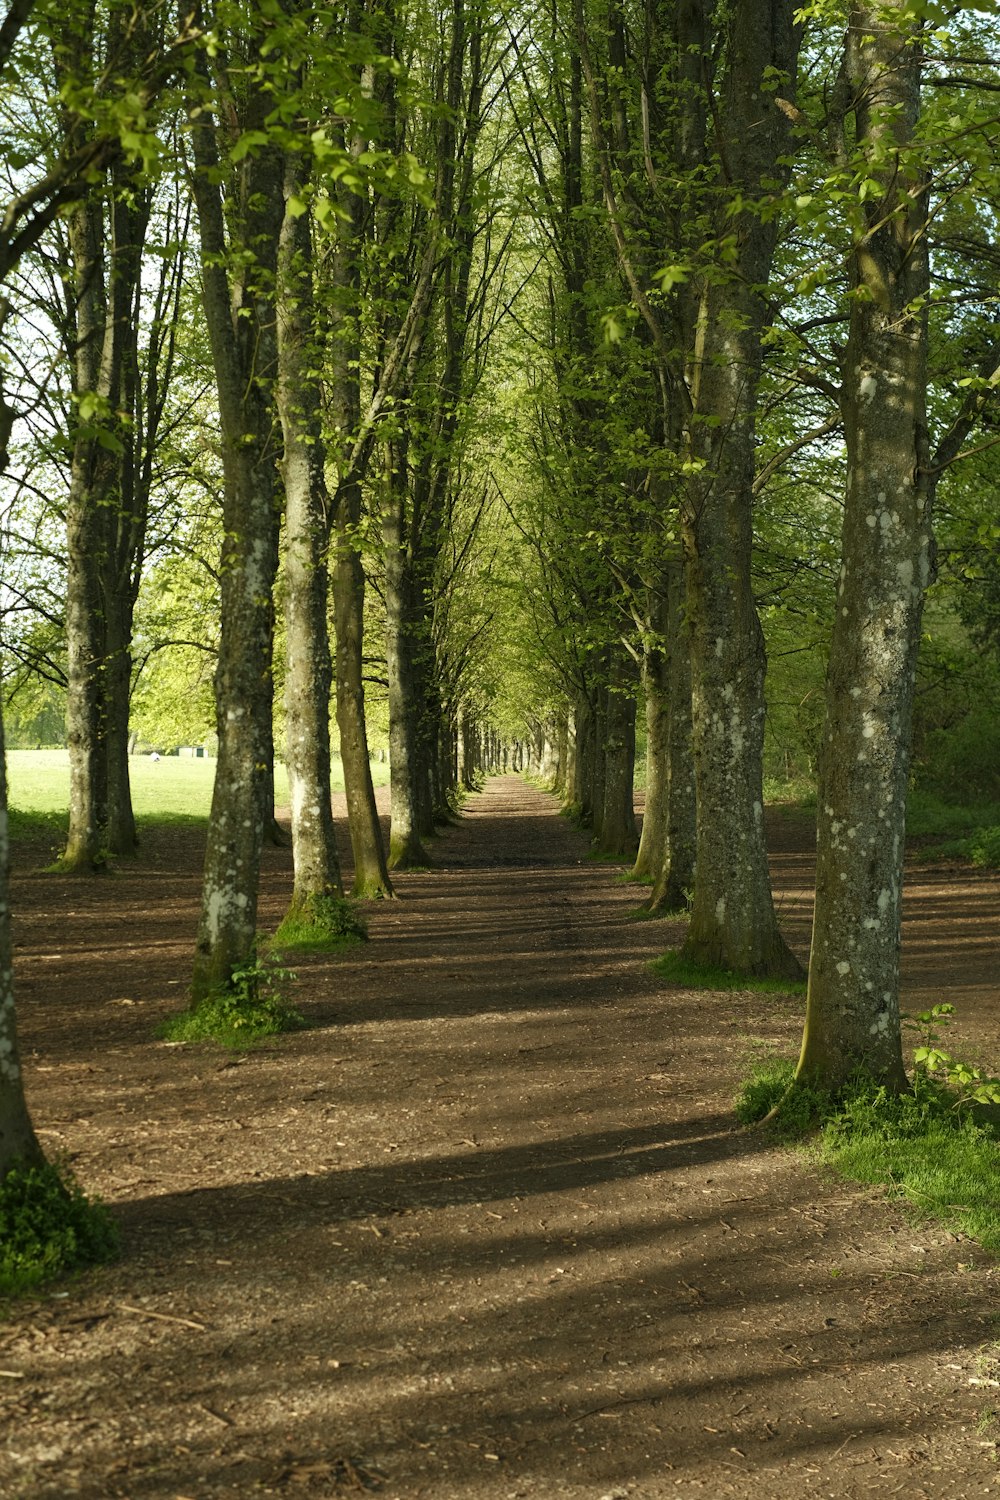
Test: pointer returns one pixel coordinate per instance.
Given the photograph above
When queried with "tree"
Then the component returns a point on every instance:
(27, 215)
(105, 508)
(309, 674)
(238, 186)
(852, 1017)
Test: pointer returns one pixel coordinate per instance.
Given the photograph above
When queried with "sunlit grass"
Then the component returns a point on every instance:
(170, 789)
(919, 1146)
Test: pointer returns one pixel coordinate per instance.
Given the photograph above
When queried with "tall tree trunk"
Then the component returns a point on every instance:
(93, 484)
(355, 231)
(616, 833)
(239, 277)
(309, 672)
(106, 515)
(674, 881)
(656, 701)
(121, 569)
(733, 922)
(18, 1142)
(405, 846)
(371, 874)
(583, 759)
(852, 1017)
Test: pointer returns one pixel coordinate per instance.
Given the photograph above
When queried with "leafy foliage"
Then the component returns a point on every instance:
(323, 923)
(250, 1009)
(934, 1146)
(48, 1227)
(965, 1084)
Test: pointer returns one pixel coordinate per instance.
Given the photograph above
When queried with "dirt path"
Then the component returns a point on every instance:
(486, 1232)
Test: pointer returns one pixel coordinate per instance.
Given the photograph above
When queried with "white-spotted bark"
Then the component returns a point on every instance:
(239, 273)
(853, 1003)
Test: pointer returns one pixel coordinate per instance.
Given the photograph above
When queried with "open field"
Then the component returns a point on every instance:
(174, 786)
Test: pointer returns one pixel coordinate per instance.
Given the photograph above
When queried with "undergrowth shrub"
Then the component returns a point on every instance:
(251, 1008)
(984, 848)
(933, 1146)
(48, 1227)
(323, 923)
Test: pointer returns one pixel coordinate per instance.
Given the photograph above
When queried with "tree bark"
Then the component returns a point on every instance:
(106, 507)
(852, 1019)
(18, 1142)
(405, 846)
(674, 881)
(617, 835)
(733, 924)
(651, 855)
(238, 282)
(371, 874)
(93, 473)
(309, 672)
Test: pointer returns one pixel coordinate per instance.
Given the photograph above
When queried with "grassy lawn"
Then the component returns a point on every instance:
(173, 787)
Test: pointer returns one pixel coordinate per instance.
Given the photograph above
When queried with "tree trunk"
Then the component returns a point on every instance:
(106, 511)
(566, 756)
(126, 520)
(674, 882)
(309, 674)
(617, 835)
(371, 874)
(239, 274)
(655, 679)
(18, 1142)
(405, 847)
(594, 796)
(733, 924)
(583, 755)
(93, 483)
(852, 1019)
(121, 830)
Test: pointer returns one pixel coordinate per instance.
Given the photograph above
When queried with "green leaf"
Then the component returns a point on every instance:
(671, 276)
(247, 142)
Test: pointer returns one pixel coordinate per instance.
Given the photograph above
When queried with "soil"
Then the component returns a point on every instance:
(487, 1230)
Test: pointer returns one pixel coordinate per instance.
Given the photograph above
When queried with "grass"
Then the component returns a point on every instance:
(921, 1147)
(676, 969)
(48, 1227)
(173, 789)
(325, 923)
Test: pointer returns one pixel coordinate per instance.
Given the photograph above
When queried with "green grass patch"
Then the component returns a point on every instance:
(49, 1227)
(676, 969)
(37, 825)
(923, 1147)
(322, 924)
(251, 1009)
(176, 788)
